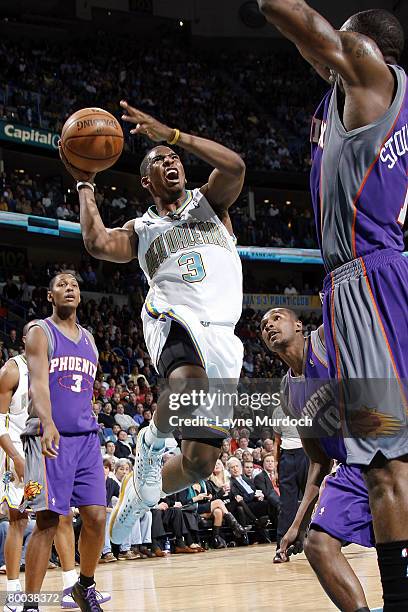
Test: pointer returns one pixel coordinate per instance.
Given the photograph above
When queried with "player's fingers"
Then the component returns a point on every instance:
(130, 119)
(51, 446)
(131, 111)
(46, 451)
(56, 437)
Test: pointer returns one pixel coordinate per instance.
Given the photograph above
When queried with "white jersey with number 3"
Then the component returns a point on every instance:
(190, 259)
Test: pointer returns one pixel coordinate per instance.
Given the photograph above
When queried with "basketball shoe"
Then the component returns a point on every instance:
(68, 602)
(138, 493)
(86, 598)
(11, 607)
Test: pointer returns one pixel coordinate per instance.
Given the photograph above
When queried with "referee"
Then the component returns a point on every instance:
(292, 467)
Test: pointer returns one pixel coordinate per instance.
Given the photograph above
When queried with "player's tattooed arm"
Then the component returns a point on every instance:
(354, 57)
(320, 466)
(36, 349)
(9, 377)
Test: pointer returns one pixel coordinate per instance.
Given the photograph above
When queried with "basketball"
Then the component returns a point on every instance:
(92, 139)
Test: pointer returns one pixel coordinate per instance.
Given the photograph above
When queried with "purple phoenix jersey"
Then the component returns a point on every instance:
(359, 179)
(343, 508)
(359, 192)
(311, 396)
(72, 368)
(75, 477)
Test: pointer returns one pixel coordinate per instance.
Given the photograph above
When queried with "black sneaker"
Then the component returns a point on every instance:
(86, 598)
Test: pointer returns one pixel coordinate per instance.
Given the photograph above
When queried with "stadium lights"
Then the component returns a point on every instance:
(181, 23)
(266, 201)
(288, 202)
(113, 188)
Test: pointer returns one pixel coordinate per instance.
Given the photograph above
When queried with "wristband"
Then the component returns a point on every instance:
(175, 138)
(82, 184)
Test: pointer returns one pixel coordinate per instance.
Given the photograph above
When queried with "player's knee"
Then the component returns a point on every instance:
(198, 467)
(188, 378)
(47, 520)
(315, 547)
(386, 482)
(18, 524)
(201, 467)
(94, 518)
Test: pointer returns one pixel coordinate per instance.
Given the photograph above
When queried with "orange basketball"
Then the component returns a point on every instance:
(92, 139)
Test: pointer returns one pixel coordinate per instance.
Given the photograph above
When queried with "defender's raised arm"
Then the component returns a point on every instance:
(354, 56)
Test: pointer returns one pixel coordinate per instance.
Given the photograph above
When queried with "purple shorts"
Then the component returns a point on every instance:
(343, 509)
(73, 479)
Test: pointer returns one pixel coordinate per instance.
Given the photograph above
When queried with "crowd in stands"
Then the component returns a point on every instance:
(236, 98)
(275, 225)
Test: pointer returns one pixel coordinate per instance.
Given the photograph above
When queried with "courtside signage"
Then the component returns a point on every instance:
(23, 134)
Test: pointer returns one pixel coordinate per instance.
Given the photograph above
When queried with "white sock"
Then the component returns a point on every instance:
(154, 437)
(69, 579)
(13, 585)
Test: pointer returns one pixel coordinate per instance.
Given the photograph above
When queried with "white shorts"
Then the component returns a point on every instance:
(11, 490)
(220, 350)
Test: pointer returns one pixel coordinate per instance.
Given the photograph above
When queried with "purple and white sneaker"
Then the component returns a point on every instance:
(68, 602)
(86, 598)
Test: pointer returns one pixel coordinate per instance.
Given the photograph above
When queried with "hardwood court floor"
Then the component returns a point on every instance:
(238, 579)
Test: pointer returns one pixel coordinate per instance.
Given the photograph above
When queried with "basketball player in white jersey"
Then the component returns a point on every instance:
(13, 416)
(186, 248)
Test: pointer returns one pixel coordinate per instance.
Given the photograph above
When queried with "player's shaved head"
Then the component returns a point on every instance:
(56, 277)
(383, 28)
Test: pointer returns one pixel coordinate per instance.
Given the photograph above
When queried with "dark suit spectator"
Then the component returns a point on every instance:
(266, 482)
(105, 416)
(244, 489)
(123, 449)
(168, 516)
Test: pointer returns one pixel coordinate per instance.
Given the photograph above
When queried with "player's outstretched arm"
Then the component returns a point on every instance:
(36, 349)
(225, 182)
(9, 378)
(117, 245)
(355, 57)
(320, 466)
